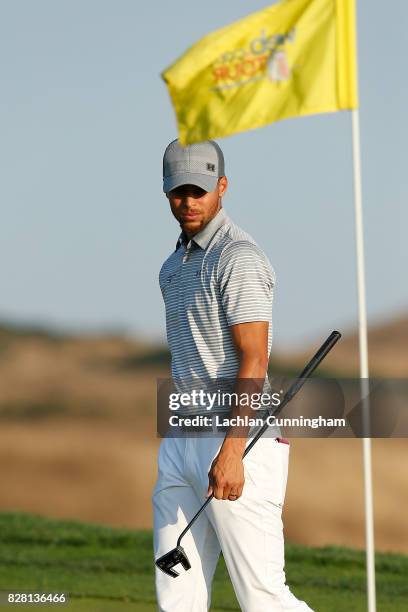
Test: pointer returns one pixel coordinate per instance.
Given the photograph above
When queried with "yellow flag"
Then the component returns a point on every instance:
(297, 57)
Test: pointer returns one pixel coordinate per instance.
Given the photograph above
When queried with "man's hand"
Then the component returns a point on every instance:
(226, 476)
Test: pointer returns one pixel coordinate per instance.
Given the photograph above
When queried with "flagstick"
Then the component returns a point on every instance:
(362, 316)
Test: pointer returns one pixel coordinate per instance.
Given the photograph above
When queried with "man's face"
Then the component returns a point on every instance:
(193, 207)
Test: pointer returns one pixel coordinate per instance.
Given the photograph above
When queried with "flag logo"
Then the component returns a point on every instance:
(263, 56)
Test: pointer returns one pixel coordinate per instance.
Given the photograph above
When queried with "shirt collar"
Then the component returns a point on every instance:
(203, 238)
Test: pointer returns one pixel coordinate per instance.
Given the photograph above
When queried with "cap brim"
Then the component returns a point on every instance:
(208, 183)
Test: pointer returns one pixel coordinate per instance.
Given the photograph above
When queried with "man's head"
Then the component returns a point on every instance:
(194, 182)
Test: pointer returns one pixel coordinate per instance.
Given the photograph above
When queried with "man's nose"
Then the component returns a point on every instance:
(189, 201)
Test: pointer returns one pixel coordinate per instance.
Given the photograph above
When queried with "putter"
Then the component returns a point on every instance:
(178, 555)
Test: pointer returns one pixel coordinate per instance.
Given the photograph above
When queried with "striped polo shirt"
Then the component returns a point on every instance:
(219, 278)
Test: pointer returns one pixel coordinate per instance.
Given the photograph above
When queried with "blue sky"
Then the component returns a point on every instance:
(84, 119)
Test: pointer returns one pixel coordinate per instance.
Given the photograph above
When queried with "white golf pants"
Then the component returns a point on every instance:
(249, 531)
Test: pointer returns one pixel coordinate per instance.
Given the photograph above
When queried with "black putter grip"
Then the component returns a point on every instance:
(313, 363)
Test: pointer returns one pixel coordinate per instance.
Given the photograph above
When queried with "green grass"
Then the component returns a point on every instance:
(105, 570)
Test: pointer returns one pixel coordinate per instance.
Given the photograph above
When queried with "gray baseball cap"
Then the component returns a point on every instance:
(199, 164)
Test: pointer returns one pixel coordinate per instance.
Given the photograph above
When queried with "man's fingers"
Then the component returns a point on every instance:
(240, 490)
(226, 492)
(226, 482)
(232, 492)
(210, 488)
(235, 491)
(219, 486)
(233, 495)
(218, 492)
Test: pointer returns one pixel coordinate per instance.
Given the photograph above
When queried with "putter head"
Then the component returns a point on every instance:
(172, 558)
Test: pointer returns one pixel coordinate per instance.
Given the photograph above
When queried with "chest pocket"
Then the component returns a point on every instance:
(169, 285)
(192, 287)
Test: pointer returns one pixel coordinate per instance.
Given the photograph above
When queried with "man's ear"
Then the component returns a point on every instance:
(222, 185)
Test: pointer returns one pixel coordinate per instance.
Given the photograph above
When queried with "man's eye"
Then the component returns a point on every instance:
(198, 193)
(192, 191)
(177, 193)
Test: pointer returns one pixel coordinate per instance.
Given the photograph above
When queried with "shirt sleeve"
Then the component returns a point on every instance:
(246, 281)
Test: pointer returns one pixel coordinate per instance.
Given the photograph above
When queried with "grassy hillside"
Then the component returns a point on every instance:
(106, 569)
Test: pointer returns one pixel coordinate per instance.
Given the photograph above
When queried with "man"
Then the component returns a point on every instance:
(217, 287)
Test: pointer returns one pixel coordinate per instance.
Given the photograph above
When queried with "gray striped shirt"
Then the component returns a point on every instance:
(219, 278)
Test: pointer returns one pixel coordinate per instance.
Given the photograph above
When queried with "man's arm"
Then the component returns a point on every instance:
(226, 476)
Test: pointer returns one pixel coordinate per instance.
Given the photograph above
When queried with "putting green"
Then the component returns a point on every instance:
(111, 570)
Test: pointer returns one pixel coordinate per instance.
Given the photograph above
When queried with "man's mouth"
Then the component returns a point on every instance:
(190, 216)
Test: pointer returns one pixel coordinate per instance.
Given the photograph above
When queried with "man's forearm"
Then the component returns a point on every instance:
(250, 379)
(226, 475)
